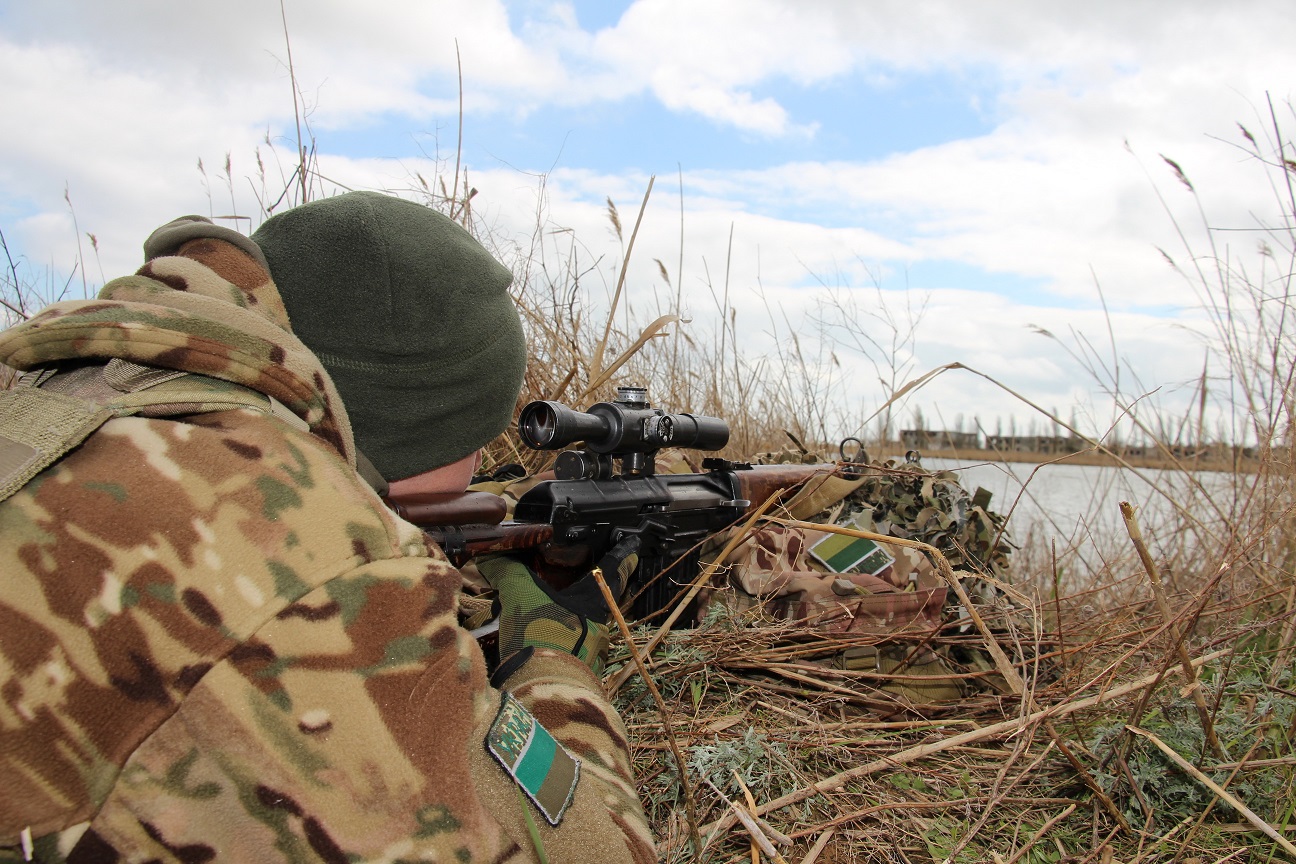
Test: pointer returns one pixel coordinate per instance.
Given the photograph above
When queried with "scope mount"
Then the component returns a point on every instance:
(586, 464)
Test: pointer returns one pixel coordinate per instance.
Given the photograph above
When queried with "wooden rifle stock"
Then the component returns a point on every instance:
(759, 482)
(448, 508)
(467, 524)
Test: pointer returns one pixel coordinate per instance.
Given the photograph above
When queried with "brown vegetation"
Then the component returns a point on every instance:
(1062, 759)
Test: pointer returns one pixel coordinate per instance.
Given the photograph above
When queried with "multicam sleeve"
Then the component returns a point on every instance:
(605, 821)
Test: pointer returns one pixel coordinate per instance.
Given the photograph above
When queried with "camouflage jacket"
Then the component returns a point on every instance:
(216, 643)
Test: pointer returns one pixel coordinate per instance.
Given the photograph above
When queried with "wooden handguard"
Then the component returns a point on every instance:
(449, 508)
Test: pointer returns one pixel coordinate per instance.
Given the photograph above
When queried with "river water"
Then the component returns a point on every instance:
(1076, 507)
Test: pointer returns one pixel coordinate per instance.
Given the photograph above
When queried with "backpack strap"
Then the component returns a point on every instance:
(37, 427)
(51, 411)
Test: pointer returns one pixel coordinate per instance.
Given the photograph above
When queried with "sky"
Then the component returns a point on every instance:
(990, 176)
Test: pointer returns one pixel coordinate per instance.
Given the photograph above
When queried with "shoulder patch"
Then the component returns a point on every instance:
(535, 760)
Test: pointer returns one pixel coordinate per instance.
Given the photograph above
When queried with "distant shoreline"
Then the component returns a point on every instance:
(1240, 466)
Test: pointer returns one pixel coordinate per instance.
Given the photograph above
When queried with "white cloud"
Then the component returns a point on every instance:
(737, 109)
(705, 58)
(120, 101)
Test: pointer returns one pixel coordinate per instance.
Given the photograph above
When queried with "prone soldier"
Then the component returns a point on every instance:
(216, 643)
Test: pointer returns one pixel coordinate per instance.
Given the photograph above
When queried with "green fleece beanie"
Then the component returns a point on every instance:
(411, 317)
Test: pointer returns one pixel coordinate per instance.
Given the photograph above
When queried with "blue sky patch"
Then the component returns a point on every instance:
(854, 120)
(595, 15)
(860, 120)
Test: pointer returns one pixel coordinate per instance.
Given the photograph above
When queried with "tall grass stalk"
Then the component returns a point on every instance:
(1227, 552)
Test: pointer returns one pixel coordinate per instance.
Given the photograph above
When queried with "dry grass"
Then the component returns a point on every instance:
(1068, 768)
(857, 765)
(1048, 774)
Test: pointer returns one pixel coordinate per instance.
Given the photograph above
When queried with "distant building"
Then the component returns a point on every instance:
(1047, 444)
(939, 439)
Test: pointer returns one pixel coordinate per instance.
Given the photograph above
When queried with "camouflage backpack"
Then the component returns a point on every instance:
(51, 411)
(832, 584)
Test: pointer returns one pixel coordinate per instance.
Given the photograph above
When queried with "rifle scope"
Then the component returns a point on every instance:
(626, 425)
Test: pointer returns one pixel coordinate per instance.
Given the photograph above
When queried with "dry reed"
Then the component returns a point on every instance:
(853, 765)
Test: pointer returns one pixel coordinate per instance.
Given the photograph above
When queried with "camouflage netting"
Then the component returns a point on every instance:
(904, 500)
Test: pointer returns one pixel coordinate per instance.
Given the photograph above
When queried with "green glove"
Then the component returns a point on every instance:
(534, 615)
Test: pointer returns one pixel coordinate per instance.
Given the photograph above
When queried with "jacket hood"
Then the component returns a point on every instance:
(210, 309)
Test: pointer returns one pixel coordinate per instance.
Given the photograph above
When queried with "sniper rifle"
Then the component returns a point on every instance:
(607, 491)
